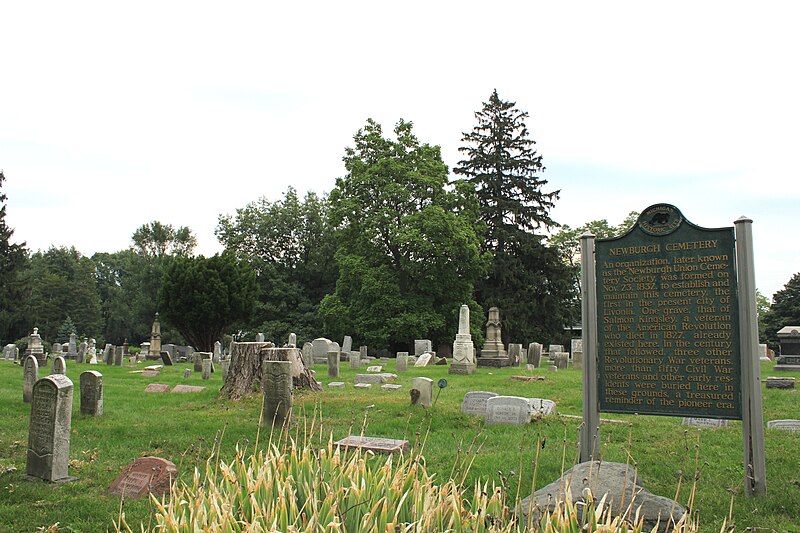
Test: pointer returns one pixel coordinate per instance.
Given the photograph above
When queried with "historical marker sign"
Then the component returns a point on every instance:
(668, 321)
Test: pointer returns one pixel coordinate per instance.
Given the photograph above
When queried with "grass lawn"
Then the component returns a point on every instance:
(184, 427)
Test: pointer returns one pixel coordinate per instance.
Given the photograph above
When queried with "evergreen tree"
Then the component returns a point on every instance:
(13, 260)
(785, 311)
(526, 279)
(66, 329)
(505, 170)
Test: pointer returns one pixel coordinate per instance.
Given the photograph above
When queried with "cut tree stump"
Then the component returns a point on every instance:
(247, 365)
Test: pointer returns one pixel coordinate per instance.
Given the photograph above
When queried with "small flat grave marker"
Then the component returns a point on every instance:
(704, 422)
(150, 373)
(154, 367)
(336, 385)
(157, 387)
(375, 368)
(363, 385)
(187, 388)
(374, 444)
(145, 475)
(391, 387)
(528, 378)
(784, 425)
(780, 383)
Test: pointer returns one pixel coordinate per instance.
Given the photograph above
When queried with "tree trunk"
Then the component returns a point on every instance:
(246, 367)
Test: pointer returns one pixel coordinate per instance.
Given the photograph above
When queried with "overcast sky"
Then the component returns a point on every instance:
(113, 115)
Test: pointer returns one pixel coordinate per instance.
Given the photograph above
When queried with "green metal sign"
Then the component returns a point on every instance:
(668, 320)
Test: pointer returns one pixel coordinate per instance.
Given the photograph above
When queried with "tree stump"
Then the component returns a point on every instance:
(247, 367)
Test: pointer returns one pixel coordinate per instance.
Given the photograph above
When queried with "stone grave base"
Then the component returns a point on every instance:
(493, 362)
(787, 368)
(68, 479)
(461, 368)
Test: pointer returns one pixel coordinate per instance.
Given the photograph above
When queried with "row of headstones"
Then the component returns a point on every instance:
(497, 409)
(358, 359)
(91, 384)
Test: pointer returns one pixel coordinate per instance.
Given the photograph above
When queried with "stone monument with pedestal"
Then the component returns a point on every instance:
(155, 340)
(493, 353)
(463, 349)
(35, 348)
(789, 338)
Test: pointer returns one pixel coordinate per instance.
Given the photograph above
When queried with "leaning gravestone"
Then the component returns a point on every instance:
(508, 410)
(30, 374)
(276, 385)
(48, 436)
(425, 388)
(59, 365)
(347, 344)
(402, 362)
(333, 364)
(166, 358)
(423, 360)
(91, 393)
(144, 476)
(80, 357)
(475, 402)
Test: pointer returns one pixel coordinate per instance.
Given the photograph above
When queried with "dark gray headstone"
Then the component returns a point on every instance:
(91, 393)
(49, 432)
(276, 384)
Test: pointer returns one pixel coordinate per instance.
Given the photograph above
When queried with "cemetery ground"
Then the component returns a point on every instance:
(184, 428)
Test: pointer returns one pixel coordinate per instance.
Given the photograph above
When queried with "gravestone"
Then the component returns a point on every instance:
(8, 352)
(55, 349)
(336, 385)
(217, 353)
(187, 373)
(144, 476)
(402, 362)
(362, 386)
(425, 388)
(156, 387)
(206, 369)
(50, 423)
(423, 360)
(108, 354)
(225, 364)
(118, 354)
(577, 360)
(789, 360)
(391, 387)
(514, 354)
(277, 388)
(541, 407)
(780, 383)
(59, 365)
(362, 353)
(91, 393)
(474, 402)
(463, 349)
(319, 350)
(308, 353)
(155, 340)
(80, 357)
(561, 360)
(347, 344)
(198, 361)
(762, 353)
(36, 348)
(30, 375)
(374, 444)
(576, 345)
(355, 360)
(554, 349)
(125, 349)
(166, 358)
(259, 337)
(144, 349)
(704, 422)
(375, 368)
(187, 388)
(508, 410)
(493, 353)
(422, 346)
(385, 377)
(784, 425)
(333, 364)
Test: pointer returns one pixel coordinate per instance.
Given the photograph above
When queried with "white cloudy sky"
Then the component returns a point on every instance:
(113, 115)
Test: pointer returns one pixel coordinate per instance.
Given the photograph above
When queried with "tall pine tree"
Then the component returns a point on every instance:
(526, 280)
(13, 258)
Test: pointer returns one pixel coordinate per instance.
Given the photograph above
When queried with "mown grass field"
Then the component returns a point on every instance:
(184, 427)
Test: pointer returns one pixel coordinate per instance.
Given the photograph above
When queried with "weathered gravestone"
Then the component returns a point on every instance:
(508, 410)
(362, 386)
(423, 360)
(541, 407)
(553, 349)
(206, 369)
(425, 388)
(374, 444)
(36, 348)
(704, 422)
(59, 365)
(30, 374)
(276, 385)
(362, 353)
(422, 346)
(80, 357)
(475, 402)
(118, 355)
(780, 383)
(374, 378)
(108, 354)
(292, 343)
(259, 337)
(198, 361)
(762, 353)
(336, 385)
(514, 354)
(784, 425)
(493, 353)
(375, 368)
(561, 360)
(50, 423)
(187, 373)
(217, 352)
(463, 349)
(577, 360)
(347, 344)
(144, 476)
(391, 387)
(333, 364)
(225, 364)
(166, 358)
(187, 388)
(402, 362)
(319, 350)
(91, 393)
(55, 349)
(355, 360)
(156, 387)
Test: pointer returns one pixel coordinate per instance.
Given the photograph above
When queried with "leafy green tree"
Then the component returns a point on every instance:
(62, 284)
(785, 311)
(201, 297)
(290, 246)
(505, 170)
(13, 289)
(407, 250)
(762, 309)
(155, 239)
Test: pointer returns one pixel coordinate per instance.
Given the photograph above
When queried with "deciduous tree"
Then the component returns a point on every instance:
(13, 289)
(784, 311)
